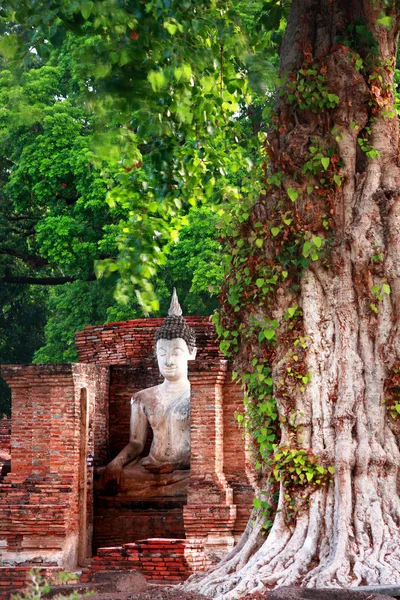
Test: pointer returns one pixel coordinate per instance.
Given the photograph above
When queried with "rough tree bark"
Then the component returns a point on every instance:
(348, 532)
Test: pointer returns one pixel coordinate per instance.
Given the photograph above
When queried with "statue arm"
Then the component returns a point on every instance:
(138, 428)
(135, 446)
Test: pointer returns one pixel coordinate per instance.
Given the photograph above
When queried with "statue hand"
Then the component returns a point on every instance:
(150, 465)
(112, 475)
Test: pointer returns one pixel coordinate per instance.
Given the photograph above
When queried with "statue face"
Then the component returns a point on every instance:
(172, 356)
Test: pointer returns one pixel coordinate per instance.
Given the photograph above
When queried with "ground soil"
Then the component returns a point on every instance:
(295, 593)
(153, 593)
(177, 593)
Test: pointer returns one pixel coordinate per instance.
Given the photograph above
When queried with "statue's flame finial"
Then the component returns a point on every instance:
(175, 308)
(175, 326)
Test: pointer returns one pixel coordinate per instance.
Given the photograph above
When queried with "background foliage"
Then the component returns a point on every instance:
(125, 125)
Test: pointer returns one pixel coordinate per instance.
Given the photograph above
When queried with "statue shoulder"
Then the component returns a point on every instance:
(145, 396)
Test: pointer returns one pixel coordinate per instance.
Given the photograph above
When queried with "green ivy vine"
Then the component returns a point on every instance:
(268, 255)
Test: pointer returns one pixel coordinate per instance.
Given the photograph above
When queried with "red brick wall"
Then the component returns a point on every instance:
(160, 560)
(236, 463)
(43, 411)
(130, 341)
(5, 439)
(39, 498)
(206, 436)
(123, 524)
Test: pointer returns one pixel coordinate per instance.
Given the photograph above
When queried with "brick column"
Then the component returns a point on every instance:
(210, 513)
(5, 439)
(238, 468)
(92, 381)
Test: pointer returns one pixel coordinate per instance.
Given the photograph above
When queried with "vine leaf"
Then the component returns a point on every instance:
(293, 195)
(317, 241)
(325, 162)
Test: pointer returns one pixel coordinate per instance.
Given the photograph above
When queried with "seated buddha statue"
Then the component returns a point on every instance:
(165, 408)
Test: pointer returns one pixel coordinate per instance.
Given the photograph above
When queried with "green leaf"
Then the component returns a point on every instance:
(337, 180)
(178, 72)
(157, 80)
(259, 242)
(306, 249)
(386, 288)
(275, 231)
(317, 241)
(325, 162)
(333, 98)
(101, 70)
(291, 311)
(186, 72)
(269, 334)
(385, 21)
(260, 282)
(257, 503)
(171, 28)
(293, 195)
(86, 9)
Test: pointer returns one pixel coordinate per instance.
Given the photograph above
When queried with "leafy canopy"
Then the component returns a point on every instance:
(167, 82)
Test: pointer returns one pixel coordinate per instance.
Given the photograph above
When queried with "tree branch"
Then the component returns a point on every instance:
(32, 261)
(14, 219)
(26, 280)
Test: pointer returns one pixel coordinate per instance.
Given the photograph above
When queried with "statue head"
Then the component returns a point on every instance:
(175, 343)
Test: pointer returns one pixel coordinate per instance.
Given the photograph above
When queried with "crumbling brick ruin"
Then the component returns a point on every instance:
(69, 419)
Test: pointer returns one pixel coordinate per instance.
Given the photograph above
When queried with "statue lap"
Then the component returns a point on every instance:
(138, 484)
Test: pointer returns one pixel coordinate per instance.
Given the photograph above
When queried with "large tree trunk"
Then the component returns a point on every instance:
(346, 532)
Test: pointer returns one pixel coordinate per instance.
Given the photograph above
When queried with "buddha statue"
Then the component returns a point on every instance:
(166, 409)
